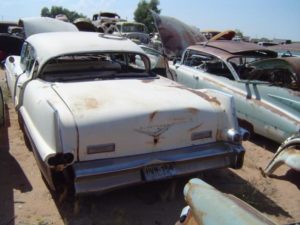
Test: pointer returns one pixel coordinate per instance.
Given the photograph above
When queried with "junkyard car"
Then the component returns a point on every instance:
(135, 31)
(90, 111)
(104, 20)
(266, 88)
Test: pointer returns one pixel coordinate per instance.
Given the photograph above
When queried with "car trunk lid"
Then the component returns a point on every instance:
(131, 117)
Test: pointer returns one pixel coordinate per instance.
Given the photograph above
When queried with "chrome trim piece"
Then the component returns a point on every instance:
(94, 149)
(201, 135)
(107, 174)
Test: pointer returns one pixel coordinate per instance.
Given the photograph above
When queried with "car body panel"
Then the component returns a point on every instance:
(218, 207)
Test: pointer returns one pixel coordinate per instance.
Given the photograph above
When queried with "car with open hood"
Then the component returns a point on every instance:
(266, 87)
(93, 111)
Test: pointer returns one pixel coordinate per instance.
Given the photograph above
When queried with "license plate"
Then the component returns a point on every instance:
(157, 172)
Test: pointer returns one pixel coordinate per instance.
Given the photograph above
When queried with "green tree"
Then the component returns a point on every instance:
(143, 15)
(239, 33)
(55, 10)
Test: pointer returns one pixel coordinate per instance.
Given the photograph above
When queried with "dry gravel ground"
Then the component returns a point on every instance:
(25, 199)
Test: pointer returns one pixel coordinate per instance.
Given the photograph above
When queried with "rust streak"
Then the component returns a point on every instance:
(193, 110)
(274, 110)
(91, 103)
(294, 93)
(147, 81)
(195, 128)
(152, 115)
(200, 94)
(259, 103)
(223, 86)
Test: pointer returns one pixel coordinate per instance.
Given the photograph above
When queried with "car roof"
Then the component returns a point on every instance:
(36, 25)
(50, 45)
(226, 49)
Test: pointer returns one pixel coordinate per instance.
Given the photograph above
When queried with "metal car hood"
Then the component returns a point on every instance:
(175, 35)
(36, 25)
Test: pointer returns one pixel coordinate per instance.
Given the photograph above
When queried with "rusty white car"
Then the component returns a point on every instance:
(266, 88)
(95, 113)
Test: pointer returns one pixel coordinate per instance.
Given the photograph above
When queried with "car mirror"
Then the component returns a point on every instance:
(11, 59)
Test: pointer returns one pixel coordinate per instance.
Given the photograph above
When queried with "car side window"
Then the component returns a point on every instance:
(207, 63)
(27, 57)
(23, 54)
(31, 58)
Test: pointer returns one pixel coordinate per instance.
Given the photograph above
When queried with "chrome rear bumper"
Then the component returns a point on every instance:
(106, 174)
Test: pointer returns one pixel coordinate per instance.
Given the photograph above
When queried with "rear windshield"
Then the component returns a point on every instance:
(131, 27)
(108, 65)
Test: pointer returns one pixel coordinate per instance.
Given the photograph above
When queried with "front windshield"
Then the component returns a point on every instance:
(128, 28)
(91, 66)
(272, 71)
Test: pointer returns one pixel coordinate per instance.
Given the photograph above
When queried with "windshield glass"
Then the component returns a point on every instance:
(96, 66)
(127, 28)
(274, 71)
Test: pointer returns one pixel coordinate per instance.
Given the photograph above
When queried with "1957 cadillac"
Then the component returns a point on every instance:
(94, 112)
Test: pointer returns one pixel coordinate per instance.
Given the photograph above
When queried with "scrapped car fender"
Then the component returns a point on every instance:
(226, 102)
(288, 153)
(57, 136)
(210, 206)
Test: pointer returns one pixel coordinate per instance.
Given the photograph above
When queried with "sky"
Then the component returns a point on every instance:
(255, 18)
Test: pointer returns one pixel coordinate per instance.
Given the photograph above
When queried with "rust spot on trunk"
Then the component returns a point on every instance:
(195, 128)
(152, 115)
(91, 103)
(193, 110)
(147, 80)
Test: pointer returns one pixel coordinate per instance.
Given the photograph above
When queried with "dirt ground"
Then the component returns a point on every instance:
(25, 199)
